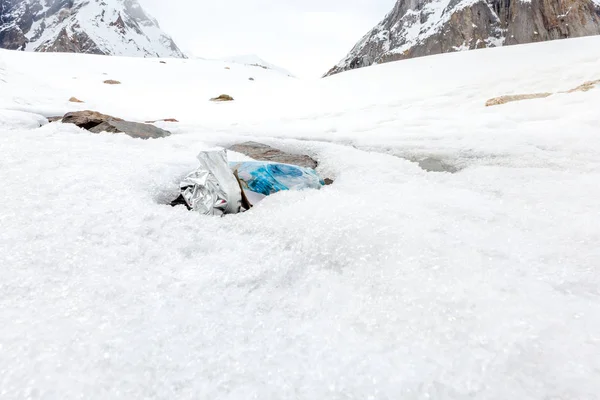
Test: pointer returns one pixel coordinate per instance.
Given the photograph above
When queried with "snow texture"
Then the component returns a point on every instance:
(392, 283)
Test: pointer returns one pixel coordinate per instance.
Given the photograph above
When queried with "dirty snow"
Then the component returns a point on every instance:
(392, 283)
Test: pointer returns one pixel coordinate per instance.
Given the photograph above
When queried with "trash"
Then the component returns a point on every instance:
(212, 189)
(260, 179)
(218, 187)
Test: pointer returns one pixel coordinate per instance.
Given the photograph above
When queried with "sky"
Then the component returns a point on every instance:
(305, 37)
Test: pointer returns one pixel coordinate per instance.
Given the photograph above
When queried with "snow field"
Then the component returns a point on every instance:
(391, 283)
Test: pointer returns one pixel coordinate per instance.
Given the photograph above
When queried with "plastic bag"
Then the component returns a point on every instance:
(260, 179)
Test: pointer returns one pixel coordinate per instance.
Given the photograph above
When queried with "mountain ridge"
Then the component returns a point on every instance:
(107, 27)
(416, 28)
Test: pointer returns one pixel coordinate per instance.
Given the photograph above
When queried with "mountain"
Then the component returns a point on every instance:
(255, 61)
(109, 27)
(416, 28)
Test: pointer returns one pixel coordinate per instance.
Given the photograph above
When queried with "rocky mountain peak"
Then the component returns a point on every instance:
(110, 27)
(417, 28)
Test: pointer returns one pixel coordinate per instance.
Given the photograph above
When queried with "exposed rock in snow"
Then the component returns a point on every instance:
(222, 97)
(417, 28)
(110, 27)
(96, 122)
(262, 152)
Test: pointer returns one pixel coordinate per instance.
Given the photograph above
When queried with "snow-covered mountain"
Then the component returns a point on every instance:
(256, 61)
(417, 28)
(110, 27)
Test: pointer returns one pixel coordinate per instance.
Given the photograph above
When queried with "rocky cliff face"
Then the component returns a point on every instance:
(110, 27)
(417, 28)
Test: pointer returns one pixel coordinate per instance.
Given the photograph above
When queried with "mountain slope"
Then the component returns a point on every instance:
(109, 27)
(417, 28)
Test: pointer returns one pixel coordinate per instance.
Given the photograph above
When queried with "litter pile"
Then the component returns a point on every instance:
(220, 187)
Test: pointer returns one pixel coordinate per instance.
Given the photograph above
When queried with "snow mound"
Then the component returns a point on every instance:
(254, 60)
(20, 120)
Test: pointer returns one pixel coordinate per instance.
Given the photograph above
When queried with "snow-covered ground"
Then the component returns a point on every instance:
(256, 61)
(393, 283)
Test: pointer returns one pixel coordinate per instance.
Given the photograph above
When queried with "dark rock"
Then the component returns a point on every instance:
(467, 25)
(87, 119)
(223, 97)
(250, 79)
(133, 129)
(328, 181)
(262, 152)
(163, 120)
(75, 42)
(97, 123)
(112, 82)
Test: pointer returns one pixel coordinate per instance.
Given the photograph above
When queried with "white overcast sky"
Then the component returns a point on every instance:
(306, 37)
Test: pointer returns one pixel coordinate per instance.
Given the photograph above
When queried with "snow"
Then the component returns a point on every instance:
(393, 282)
(463, 47)
(256, 61)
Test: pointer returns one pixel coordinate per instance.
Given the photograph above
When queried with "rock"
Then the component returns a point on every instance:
(75, 100)
(87, 119)
(496, 101)
(328, 181)
(133, 129)
(96, 122)
(250, 79)
(54, 119)
(227, 68)
(163, 120)
(262, 152)
(415, 28)
(84, 118)
(112, 82)
(585, 87)
(223, 97)
(163, 62)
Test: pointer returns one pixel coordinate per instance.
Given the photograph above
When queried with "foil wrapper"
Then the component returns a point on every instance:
(212, 189)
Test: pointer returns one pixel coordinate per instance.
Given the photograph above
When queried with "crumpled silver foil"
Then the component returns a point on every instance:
(212, 189)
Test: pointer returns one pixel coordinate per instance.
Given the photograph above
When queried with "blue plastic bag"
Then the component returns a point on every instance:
(265, 178)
